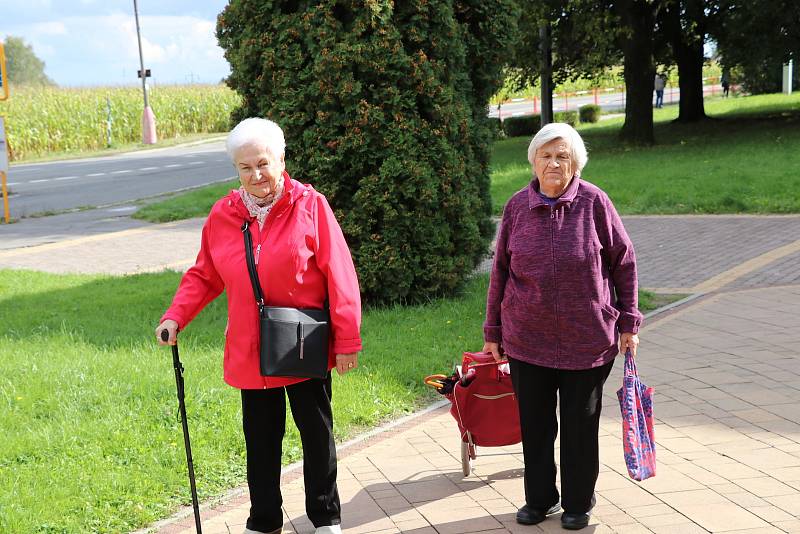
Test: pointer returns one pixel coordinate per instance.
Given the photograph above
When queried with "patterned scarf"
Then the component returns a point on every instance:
(260, 207)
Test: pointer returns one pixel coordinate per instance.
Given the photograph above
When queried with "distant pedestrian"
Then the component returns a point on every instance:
(562, 303)
(658, 84)
(305, 263)
(725, 82)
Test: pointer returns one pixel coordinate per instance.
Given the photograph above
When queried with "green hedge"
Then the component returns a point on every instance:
(589, 113)
(570, 117)
(384, 109)
(525, 125)
(496, 125)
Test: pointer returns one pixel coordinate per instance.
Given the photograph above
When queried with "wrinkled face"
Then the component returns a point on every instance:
(259, 169)
(553, 165)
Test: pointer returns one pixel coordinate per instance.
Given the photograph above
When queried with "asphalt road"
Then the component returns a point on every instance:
(62, 185)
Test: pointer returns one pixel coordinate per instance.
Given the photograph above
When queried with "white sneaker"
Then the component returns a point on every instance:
(330, 529)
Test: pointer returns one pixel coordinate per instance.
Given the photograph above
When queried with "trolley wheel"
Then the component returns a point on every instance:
(467, 455)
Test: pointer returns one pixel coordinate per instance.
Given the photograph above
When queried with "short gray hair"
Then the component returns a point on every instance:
(255, 130)
(560, 130)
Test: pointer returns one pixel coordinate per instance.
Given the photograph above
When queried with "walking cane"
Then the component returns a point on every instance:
(176, 363)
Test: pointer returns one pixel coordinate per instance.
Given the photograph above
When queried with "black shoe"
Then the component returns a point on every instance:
(571, 521)
(531, 516)
(574, 521)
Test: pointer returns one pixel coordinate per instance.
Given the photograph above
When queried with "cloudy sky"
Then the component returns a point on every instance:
(93, 42)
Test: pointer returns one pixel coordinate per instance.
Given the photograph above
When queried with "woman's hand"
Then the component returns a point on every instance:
(495, 349)
(628, 341)
(346, 362)
(170, 326)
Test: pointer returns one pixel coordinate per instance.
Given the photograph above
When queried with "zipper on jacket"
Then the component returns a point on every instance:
(555, 279)
(258, 252)
(302, 339)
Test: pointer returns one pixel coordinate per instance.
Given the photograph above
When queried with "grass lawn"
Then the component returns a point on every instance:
(92, 441)
(194, 203)
(744, 160)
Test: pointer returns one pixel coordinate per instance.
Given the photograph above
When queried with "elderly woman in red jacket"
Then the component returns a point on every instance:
(562, 301)
(302, 260)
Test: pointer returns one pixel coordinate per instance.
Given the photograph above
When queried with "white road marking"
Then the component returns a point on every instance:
(174, 165)
(196, 162)
(65, 178)
(39, 181)
(149, 168)
(96, 174)
(121, 172)
(13, 183)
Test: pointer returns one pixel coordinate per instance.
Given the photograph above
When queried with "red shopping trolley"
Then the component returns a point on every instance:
(483, 404)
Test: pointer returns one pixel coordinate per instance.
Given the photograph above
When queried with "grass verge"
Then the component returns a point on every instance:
(121, 148)
(194, 203)
(92, 442)
(743, 160)
(694, 169)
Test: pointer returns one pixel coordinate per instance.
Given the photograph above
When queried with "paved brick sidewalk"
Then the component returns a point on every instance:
(725, 367)
(727, 381)
(676, 254)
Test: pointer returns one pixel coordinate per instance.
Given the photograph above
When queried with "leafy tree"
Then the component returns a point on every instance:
(379, 102)
(757, 38)
(588, 37)
(23, 67)
(489, 29)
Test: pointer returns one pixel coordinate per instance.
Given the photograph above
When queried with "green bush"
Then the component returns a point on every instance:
(383, 107)
(589, 113)
(570, 117)
(525, 125)
(496, 126)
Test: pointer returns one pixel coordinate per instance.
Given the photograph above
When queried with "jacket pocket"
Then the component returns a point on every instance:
(596, 330)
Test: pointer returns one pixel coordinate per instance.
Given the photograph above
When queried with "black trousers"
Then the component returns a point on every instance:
(580, 395)
(264, 422)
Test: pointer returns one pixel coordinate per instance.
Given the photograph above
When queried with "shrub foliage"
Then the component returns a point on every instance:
(589, 113)
(383, 105)
(570, 117)
(524, 125)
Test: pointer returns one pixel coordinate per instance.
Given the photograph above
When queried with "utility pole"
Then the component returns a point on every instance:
(546, 74)
(148, 118)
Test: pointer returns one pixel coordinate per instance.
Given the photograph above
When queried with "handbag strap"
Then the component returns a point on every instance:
(251, 264)
(630, 364)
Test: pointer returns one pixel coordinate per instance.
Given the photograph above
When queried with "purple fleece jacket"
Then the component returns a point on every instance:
(563, 283)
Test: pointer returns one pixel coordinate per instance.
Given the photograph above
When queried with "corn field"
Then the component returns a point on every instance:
(43, 121)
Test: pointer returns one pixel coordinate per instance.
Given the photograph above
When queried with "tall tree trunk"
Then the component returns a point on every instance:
(684, 23)
(638, 18)
(690, 73)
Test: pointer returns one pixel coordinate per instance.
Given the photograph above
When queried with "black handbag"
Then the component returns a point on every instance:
(294, 341)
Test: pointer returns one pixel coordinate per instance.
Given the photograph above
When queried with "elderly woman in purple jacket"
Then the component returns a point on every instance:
(562, 302)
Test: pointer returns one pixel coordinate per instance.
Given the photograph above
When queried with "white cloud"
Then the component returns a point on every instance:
(49, 28)
(103, 49)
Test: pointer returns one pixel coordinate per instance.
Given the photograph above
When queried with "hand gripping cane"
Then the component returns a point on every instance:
(176, 363)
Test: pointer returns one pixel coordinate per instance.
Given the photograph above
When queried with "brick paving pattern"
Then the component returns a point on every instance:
(725, 367)
(727, 382)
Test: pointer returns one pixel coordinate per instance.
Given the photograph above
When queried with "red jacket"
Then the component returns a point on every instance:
(302, 258)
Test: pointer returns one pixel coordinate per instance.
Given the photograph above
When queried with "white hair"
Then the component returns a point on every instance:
(255, 131)
(560, 130)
